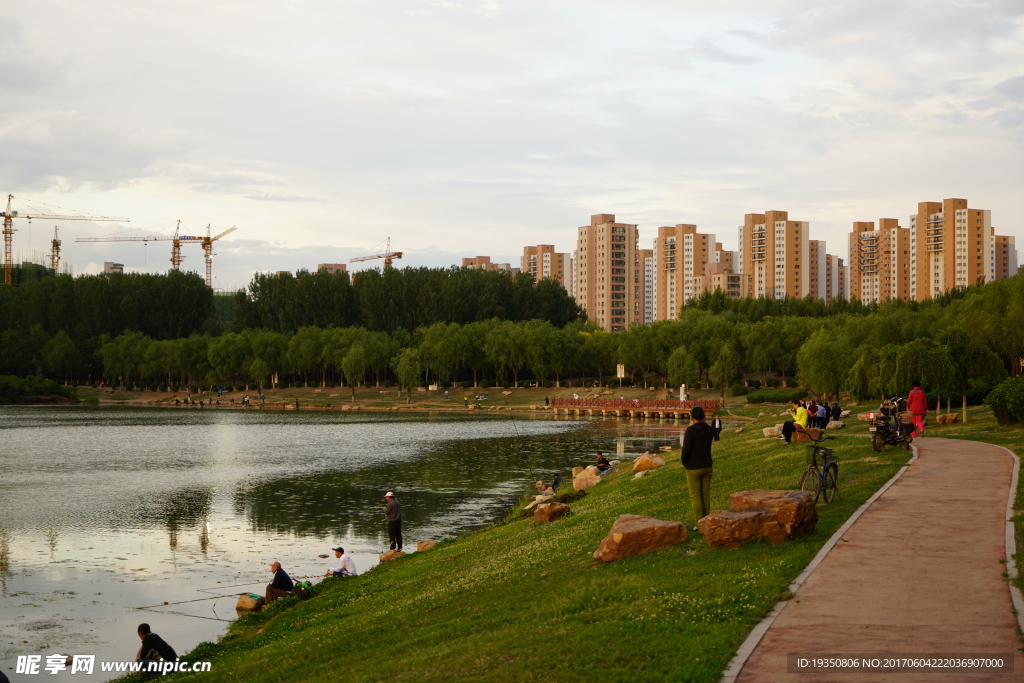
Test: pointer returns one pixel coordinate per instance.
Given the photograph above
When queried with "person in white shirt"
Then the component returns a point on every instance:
(346, 567)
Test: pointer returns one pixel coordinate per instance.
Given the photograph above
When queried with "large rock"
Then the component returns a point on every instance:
(835, 424)
(549, 512)
(948, 418)
(771, 432)
(863, 417)
(537, 500)
(775, 515)
(424, 545)
(590, 471)
(807, 434)
(636, 535)
(648, 461)
(576, 471)
(729, 528)
(390, 555)
(845, 414)
(580, 483)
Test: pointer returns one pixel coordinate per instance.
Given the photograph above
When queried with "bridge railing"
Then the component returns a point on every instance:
(634, 404)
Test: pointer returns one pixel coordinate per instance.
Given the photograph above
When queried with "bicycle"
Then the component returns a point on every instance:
(823, 479)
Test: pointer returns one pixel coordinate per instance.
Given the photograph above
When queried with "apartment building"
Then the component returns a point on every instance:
(680, 256)
(775, 251)
(836, 278)
(484, 263)
(609, 281)
(950, 246)
(333, 268)
(720, 275)
(880, 261)
(645, 257)
(542, 261)
(1004, 257)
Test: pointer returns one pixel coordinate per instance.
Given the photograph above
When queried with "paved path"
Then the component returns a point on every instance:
(919, 572)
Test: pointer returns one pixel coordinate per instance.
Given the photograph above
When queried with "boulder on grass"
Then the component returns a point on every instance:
(549, 512)
(537, 500)
(390, 555)
(576, 471)
(648, 461)
(795, 511)
(771, 432)
(948, 418)
(580, 483)
(835, 424)
(590, 471)
(424, 545)
(739, 430)
(845, 414)
(636, 535)
(730, 528)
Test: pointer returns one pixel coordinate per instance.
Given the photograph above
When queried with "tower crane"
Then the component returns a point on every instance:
(54, 251)
(388, 255)
(176, 241)
(9, 231)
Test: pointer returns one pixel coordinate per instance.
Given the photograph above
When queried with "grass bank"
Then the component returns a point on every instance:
(519, 602)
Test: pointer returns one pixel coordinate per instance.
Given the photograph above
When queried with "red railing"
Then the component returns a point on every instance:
(633, 404)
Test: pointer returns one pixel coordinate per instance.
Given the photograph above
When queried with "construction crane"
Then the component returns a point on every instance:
(176, 241)
(208, 252)
(54, 251)
(388, 255)
(9, 215)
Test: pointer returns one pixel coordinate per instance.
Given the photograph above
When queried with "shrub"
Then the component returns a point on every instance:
(549, 384)
(754, 384)
(775, 395)
(1007, 401)
(506, 384)
(791, 383)
(774, 383)
(92, 401)
(485, 384)
(194, 389)
(738, 389)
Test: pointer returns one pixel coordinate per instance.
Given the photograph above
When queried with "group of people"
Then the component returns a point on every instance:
(808, 415)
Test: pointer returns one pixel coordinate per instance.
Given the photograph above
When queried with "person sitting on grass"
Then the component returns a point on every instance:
(602, 463)
(346, 567)
(281, 586)
(556, 482)
(799, 421)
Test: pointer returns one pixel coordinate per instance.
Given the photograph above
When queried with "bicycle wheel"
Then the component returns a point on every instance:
(831, 489)
(877, 442)
(811, 481)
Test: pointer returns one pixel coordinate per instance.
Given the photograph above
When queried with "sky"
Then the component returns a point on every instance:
(476, 127)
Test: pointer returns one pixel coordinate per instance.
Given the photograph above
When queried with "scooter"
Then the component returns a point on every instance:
(890, 426)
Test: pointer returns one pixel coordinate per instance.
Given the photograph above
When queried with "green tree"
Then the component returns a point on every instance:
(408, 368)
(682, 367)
(304, 352)
(969, 360)
(60, 356)
(824, 363)
(726, 363)
(354, 367)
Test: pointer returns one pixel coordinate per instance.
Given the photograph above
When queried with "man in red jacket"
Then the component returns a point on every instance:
(917, 404)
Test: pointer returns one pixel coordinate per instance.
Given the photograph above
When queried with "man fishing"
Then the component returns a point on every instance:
(281, 586)
(346, 567)
(393, 515)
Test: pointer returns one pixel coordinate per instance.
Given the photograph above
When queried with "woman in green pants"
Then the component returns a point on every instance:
(696, 457)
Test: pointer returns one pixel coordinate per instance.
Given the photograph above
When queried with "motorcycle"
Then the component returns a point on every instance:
(890, 426)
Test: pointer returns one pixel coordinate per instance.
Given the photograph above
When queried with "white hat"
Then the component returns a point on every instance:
(389, 495)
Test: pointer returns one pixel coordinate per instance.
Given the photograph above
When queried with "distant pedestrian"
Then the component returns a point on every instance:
(446, 394)
(696, 458)
(465, 401)
(917, 404)
(393, 514)
(837, 411)
(556, 482)
(547, 402)
(716, 424)
(823, 416)
(281, 585)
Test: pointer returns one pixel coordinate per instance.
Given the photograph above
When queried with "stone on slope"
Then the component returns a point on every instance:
(390, 555)
(771, 432)
(424, 545)
(635, 535)
(795, 511)
(948, 418)
(549, 512)
(730, 528)
(580, 483)
(576, 471)
(648, 461)
(835, 424)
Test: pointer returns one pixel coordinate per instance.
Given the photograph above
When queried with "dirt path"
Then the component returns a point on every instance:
(918, 573)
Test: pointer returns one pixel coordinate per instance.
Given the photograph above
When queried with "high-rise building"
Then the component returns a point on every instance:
(646, 260)
(680, 256)
(950, 246)
(719, 276)
(879, 261)
(1004, 257)
(111, 267)
(542, 261)
(774, 252)
(608, 284)
(333, 267)
(836, 278)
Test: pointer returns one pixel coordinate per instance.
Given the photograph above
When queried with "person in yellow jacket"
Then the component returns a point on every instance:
(799, 420)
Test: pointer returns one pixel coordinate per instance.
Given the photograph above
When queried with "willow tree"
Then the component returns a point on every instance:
(970, 360)
(824, 362)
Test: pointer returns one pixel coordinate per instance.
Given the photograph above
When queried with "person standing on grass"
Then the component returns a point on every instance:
(799, 414)
(696, 458)
(393, 514)
(716, 424)
(917, 404)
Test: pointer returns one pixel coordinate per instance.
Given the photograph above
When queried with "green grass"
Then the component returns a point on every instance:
(518, 602)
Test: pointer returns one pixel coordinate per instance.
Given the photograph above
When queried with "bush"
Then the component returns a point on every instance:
(775, 395)
(92, 401)
(1007, 401)
(549, 384)
(11, 387)
(485, 384)
(194, 389)
(754, 384)
(791, 383)
(774, 383)
(506, 384)
(738, 389)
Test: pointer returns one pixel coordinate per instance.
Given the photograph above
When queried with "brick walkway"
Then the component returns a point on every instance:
(919, 572)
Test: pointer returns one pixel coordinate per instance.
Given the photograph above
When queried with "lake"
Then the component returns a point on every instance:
(104, 511)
